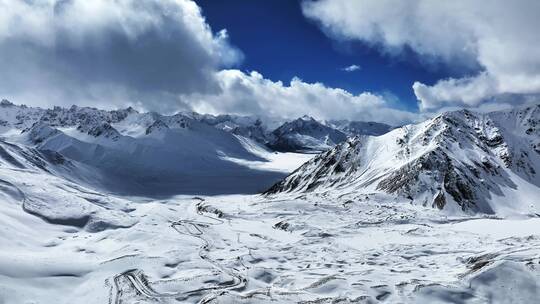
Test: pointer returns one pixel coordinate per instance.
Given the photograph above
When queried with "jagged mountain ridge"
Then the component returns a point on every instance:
(247, 126)
(459, 160)
(352, 128)
(304, 134)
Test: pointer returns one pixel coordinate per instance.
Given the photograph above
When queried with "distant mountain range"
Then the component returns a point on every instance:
(125, 151)
(304, 134)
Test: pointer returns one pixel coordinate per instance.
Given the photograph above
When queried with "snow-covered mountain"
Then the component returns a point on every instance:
(305, 134)
(143, 153)
(459, 160)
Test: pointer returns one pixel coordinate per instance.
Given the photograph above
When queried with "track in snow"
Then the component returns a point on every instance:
(137, 278)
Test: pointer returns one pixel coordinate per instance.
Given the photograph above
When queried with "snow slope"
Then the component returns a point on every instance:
(458, 161)
(32, 180)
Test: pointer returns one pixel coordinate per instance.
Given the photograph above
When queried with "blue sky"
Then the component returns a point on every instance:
(280, 42)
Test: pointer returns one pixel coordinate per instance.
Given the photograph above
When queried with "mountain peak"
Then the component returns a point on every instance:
(307, 118)
(6, 103)
(458, 160)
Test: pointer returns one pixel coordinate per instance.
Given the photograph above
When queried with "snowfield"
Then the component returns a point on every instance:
(79, 222)
(251, 249)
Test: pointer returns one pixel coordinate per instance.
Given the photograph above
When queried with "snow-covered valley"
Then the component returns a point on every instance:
(249, 249)
(84, 216)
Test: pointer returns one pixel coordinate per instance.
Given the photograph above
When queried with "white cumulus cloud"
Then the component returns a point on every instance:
(501, 37)
(351, 68)
(104, 52)
(251, 93)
